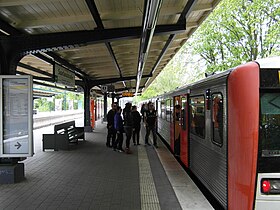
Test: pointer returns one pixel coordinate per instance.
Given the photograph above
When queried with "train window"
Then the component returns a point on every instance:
(270, 124)
(171, 110)
(168, 110)
(197, 116)
(159, 108)
(183, 113)
(162, 105)
(217, 118)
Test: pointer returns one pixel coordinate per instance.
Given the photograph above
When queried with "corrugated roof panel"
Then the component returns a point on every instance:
(52, 16)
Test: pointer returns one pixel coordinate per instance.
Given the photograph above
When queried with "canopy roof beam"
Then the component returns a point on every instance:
(113, 80)
(182, 19)
(27, 44)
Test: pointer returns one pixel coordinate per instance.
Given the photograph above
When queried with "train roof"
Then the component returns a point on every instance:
(269, 63)
(223, 74)
(265, 63)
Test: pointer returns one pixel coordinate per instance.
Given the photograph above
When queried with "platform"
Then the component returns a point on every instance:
(92, 176)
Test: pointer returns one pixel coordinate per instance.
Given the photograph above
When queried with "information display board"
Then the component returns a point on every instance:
(127, 94)
(16, 121)
(63, 76)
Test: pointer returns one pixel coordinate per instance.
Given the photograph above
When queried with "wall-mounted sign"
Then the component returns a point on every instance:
(16, 121)
(110, 88)
(63, 76)
(107, 88)
(127, 94)
(104, 88)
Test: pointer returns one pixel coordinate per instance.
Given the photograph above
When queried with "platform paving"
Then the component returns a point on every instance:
(92, 176)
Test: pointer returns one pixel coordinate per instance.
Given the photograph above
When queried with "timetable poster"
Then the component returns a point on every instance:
(15, 116)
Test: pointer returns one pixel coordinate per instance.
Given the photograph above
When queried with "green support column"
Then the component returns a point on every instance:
(87, 107)
(105, 107)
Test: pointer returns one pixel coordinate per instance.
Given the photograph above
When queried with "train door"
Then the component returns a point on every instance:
(157, 107)
(177, 125)
(184, 149)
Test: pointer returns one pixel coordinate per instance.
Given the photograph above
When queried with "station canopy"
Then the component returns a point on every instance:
(125, 43)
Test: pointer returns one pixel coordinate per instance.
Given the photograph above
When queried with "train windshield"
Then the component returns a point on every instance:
(270, 124)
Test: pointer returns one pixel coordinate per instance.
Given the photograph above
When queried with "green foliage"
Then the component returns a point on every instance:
(64, 102)
(48, 104)
(183, 69)
(167, 80)
(43, 105)
(238, 31)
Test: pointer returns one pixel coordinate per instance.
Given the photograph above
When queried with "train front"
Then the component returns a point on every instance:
(268, 166)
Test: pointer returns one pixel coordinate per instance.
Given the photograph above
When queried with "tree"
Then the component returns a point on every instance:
(239, 31)
(167, 80)
(43, 105)
(48, 104)
(183, 69)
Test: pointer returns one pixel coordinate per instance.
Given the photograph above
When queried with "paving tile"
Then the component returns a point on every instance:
(92, 176)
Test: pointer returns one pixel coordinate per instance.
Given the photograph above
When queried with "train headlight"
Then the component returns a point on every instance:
(270, 186)
(265, 186)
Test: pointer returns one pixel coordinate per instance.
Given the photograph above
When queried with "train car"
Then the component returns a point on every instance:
(226, 130)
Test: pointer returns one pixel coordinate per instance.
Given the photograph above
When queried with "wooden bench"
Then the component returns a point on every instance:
(64, 135)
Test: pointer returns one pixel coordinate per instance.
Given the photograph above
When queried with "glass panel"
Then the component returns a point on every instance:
(177, 110)
(270, 78)
(217, 118)
(15, 116)
(171, 110)
(197, 116)
(270, 124)
(183, 102)
(159, 108)
(162, 109)
(168, 109)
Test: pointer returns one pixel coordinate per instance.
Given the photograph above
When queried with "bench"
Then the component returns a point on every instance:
(64, 135)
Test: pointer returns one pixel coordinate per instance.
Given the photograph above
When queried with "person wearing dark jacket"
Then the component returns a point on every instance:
(128, 125)
(150, 123)
(118, 125)
(144, 108)
(136, 124)
(110, 126)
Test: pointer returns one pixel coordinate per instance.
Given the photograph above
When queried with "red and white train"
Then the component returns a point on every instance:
(226, 130)
(96, 109)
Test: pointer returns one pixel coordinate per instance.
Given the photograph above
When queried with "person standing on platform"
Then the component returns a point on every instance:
(144, 108)
(118, 125)
(128, 125)
(150, 120)
(136, 124)
(110, 126)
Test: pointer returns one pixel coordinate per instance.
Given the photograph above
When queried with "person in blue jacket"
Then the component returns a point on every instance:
(118, 125)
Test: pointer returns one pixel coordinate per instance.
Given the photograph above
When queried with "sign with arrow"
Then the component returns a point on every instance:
(16, 122)
(18, 145)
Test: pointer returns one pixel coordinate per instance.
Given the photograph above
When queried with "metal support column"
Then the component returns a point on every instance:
(87, 107)
(113, 98)
(9, 56)
(8, 64)
(105, 107)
